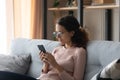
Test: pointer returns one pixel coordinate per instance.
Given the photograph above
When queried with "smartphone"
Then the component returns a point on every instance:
(41, 47)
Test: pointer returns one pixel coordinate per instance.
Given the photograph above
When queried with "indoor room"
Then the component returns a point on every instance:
(81, 37)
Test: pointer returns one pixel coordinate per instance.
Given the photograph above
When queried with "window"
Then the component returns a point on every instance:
(3, 29)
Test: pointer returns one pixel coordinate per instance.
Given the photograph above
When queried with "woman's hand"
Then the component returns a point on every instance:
(45, 68)
(42, 57)
(49, 59)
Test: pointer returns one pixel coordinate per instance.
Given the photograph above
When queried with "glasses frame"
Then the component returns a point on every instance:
(57, 34)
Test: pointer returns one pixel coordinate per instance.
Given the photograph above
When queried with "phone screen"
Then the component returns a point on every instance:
(41, 47)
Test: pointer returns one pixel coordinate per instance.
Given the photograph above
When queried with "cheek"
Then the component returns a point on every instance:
(66, 38)
(62, 42)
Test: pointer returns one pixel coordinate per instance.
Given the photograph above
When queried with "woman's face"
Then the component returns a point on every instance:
(63, 35)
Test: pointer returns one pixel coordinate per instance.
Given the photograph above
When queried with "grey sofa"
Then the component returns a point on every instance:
(100, 53)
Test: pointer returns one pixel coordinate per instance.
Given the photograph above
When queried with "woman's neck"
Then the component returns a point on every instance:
(68, 45)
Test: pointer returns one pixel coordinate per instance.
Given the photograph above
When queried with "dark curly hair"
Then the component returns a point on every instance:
(70, 23)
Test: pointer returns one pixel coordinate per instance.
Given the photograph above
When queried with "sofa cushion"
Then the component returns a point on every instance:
(100, 54)
(14, 63)
(110, 72)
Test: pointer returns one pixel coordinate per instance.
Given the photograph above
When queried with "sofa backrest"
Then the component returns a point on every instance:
(29, 46)
(100, 54)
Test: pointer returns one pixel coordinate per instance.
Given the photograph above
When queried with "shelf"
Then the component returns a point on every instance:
(102, 7)
(86, 7)
(63, 8)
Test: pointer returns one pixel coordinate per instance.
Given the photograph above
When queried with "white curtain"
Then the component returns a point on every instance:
(22, 12)
(14, 22)
(3, 27)
(19, 19)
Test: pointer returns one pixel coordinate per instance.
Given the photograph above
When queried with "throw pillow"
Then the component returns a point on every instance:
(14, 63)
(111, 71)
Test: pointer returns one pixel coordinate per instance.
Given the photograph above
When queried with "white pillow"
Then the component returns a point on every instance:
(94, 77)
(110, 72)
(15, 63)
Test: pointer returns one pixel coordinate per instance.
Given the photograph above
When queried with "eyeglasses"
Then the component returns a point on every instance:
(57, 34)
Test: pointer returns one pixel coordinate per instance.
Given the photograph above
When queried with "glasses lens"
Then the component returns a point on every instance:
(57, 34)
(54, 34)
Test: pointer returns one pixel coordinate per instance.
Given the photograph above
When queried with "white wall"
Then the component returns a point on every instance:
(94, 21)
(116, 25)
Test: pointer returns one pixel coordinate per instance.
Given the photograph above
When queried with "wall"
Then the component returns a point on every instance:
(94, 19)
(116, 25)
(94, 22)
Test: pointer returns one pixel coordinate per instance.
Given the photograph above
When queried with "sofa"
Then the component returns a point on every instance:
(99, 54)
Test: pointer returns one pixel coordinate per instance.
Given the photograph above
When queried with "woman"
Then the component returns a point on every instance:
(67, 62)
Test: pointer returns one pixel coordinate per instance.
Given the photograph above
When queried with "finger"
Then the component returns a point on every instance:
(41, 52)
(47, 55)
(42, 56)
(45, 60)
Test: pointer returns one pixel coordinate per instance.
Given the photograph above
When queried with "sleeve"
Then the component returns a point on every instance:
(79, 67)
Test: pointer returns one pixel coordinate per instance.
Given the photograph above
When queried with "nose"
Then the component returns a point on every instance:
(58, 36)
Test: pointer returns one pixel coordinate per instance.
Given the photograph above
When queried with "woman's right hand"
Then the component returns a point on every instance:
(46, 65)
(42, 57)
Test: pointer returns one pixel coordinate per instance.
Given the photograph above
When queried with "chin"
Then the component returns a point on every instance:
(62, 43)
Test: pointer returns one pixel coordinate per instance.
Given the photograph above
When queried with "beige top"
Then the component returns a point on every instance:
(73, 61)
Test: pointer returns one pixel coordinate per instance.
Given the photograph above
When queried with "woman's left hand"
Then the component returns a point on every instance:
(50, 59)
